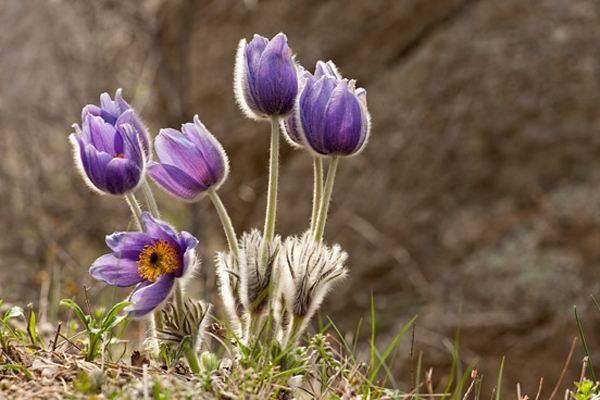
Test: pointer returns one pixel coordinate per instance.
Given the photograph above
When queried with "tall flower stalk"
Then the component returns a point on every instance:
(317, 191)
(271, 212)
(326, 199)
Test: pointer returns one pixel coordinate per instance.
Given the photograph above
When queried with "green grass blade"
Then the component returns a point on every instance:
(584, 344)
(390, 348)
(499, 384)
(454, 364)
(373, 330)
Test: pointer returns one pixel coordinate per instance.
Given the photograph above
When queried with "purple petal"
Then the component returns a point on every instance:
(115, 271)
(327, 68)
(148, 296)
(95, 164)
(276, 80)
(178, 149)
(122, 105)
(313, 104)
(343, 122)
(175, 181)
(130, 117)
(102, 134)
(90, 109)
(160, 230)
(188, 243)
(253, 52)
(122, 175)
(128, 244)
(108, 105)
(290, 128)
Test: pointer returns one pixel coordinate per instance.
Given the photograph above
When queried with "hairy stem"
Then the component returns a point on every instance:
(324, 208)
(271, 213)
(317, 191)
(150, 200)
(155, 318)
(135, 208)
(226, 222)
(191, 356)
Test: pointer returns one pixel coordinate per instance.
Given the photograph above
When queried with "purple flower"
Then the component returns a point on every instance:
(110, 157)
(191, 161)
(266, 82)
(118, 112)
(152, 260)
(331, 117)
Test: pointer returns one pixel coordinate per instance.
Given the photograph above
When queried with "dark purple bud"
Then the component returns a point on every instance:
(266, 82)
(191, 161)
(331, 116)
(110, 158)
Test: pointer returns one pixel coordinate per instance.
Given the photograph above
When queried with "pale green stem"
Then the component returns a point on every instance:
(271, 213)
(191, 357)
(136, 211)
(324, 208)
(150, 200)
(179, 303)
(135, 208)
(226, 222)
(317, 192)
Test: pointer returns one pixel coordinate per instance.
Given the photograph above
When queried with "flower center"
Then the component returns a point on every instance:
(156, 260)
(120, 155)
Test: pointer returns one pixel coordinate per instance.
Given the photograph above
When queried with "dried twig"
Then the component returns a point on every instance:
(539, 392)
(564, 369)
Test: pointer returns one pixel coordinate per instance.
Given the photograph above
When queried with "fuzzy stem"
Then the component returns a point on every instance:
(191, 357)
(179, 303)
(150, 200)
(324, 208)
(317, 192)
(136, 211)
(271, 213)
(295, 331)
(226, 222)
(135, 208)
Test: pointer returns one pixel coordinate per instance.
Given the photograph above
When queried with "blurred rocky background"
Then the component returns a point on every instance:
(475, 203)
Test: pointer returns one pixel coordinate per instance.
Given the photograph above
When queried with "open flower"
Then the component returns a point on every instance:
(309, 269)
(331, 117)
(191, 161)
(118, 112)
(152, 260)
(110, 159)
(266, 82)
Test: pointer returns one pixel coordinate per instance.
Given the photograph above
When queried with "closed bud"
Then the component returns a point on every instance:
(266, 82)
(192, 161)
(331, 118)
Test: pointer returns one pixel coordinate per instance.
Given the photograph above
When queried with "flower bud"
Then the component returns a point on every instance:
(266, 82)
(110, 158)
(331, 117)
(191, 161)
(116, 113)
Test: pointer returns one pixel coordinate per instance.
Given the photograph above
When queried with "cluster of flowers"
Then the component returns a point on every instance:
(262, 274)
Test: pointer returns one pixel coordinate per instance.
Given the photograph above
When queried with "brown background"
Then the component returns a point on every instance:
(475, 203)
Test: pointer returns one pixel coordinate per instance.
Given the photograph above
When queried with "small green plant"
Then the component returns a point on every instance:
(586, 389)
(98, 326)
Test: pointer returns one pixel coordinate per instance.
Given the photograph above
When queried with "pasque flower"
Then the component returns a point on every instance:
(151, 260)
(118, 112)
(109, 148)
(265, 81)
(191, 161)
(331, 118)
(309, 269)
